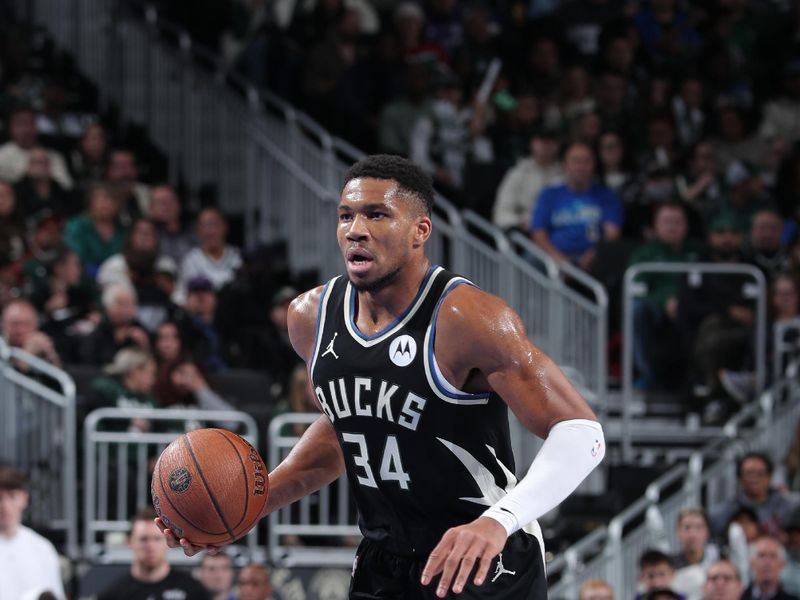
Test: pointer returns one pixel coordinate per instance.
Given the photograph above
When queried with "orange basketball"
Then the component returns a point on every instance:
(210, 486)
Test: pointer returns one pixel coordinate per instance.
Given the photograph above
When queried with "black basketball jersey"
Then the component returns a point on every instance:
(421, 455)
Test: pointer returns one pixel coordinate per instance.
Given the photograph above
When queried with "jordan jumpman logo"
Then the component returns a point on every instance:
(329, 349)
(500, 569)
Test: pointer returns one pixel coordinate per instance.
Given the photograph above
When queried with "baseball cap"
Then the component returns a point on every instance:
(126, 360)
(738, 172)
(199, 284)
(725, 221)
(165, 264)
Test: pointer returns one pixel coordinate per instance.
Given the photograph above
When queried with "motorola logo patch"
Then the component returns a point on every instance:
(179, 480)
(402, 350)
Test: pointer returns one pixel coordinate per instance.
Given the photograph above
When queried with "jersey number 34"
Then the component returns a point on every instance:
(391, 465)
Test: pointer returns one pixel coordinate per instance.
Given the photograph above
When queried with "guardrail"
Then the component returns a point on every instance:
(37, 435)
(283, 170)
(314, 530)
(633, 289)
(709, 478)
(118, 463)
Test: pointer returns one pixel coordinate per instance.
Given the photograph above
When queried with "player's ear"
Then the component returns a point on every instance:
(422, 231)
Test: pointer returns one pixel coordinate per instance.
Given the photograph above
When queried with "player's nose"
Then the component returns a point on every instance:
(358, 229)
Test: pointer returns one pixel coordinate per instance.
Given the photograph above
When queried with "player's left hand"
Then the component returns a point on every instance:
(459, 549)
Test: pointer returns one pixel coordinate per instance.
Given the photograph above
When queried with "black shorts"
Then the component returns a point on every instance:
(516, 574)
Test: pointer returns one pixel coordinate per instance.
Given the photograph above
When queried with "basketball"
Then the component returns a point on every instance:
(210, 486)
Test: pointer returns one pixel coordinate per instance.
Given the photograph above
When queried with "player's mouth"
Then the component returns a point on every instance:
(358, 260)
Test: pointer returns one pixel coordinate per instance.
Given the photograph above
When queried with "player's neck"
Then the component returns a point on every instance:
(381, 307)
(147, 575)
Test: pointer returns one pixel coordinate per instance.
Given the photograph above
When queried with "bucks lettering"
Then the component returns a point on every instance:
(367, 397)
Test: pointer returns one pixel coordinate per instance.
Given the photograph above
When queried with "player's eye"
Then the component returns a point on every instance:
(377, 215)
(345, 217)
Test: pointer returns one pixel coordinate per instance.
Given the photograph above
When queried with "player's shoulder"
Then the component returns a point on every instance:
(469, 308)
(302, 320)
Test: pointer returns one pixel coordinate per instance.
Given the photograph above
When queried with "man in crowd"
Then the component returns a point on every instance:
(151, 577)
(767, 559)
(722, 582)
(254, 583)
(20, 329)
(216, 574)
(571, 219)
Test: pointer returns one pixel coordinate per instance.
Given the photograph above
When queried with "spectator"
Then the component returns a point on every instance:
(766, 249)
(596, 589)
(15, 153)
(214, 259)
(722, 582)
(44, 245)
(98, 234)
(28, 562)
(733, 143)
(12, 224)
(165, 210)
(127, 383)
(746, 193)
(178, 381)
(687, 111)
(766, 563)
(695, 554)
(136, 265)
(523, 183)
(151, 577)
(719, 312)
(441, 141)
(216, 574)
(89, 161)
(20, 329)
(273, 350)
(655, 572)
(577, 96)
(700, 186)
(117, 330)
(570, 219)
(201, 307)
(66, 300)
(656, 336)
(254, 583)
(771, 505)
(790, 576)
(398, 117)
(613, 167)
(38, 190)
(134, 196)
(782, 114)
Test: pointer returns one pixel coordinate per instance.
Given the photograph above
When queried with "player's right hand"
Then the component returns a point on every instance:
(189, 549)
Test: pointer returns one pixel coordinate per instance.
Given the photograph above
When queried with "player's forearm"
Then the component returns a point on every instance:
(314, 462)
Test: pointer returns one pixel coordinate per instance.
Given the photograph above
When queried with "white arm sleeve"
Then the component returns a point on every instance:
(572, 449)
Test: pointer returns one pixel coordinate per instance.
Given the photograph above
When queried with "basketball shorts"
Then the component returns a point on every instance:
(516, 574)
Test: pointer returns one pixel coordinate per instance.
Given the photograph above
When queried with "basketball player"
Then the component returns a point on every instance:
(414, 368)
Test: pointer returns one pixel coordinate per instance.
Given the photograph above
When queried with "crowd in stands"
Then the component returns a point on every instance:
(574, 122)
(610, 133)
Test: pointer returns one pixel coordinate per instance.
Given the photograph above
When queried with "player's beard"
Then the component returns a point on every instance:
(377, 285)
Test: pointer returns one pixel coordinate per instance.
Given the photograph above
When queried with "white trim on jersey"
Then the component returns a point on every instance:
(368, 342)
(323, 311)
(437, 381)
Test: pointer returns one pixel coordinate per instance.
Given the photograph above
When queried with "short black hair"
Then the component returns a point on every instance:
(650, 558)
(763, 457)
(409, 176)
(12, 479)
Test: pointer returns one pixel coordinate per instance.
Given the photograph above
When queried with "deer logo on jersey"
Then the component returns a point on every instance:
(402, 350)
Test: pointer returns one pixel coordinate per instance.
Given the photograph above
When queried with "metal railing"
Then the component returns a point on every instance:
(708, 478)
(633, 289)
(37, 435)
(118, 464)
(283, 170)
(785, 345)
(314, 530)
